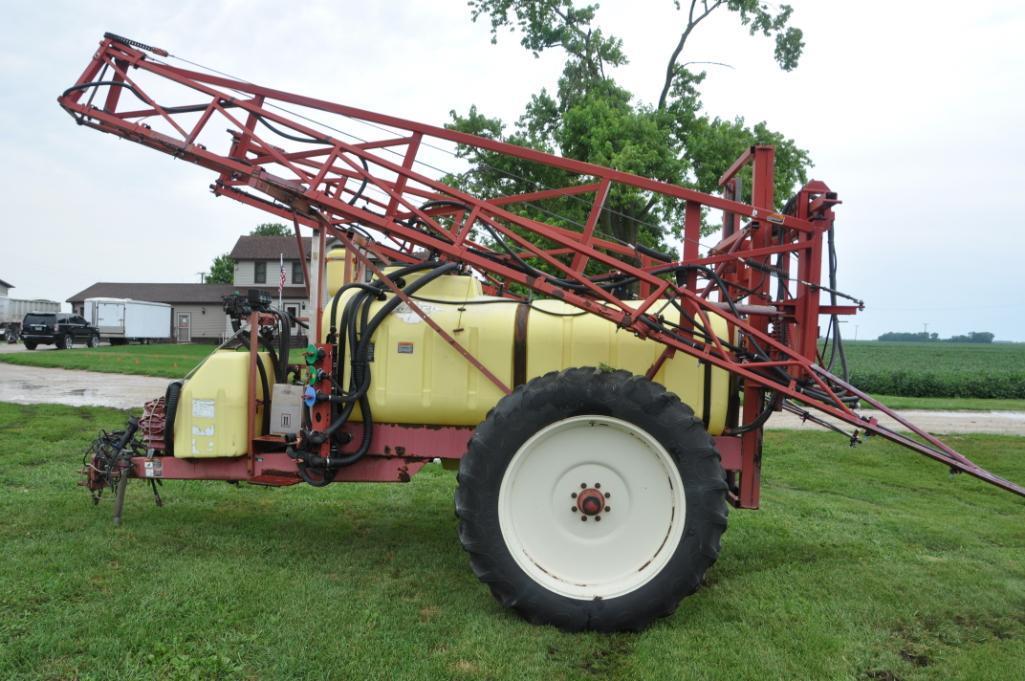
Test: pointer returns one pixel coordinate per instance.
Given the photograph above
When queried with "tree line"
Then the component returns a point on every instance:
(923, 337)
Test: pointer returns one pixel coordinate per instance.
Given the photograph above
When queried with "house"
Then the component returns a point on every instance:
(198, 315)
(258, 264)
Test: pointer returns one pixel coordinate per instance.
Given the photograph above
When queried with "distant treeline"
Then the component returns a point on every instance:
(923, 337)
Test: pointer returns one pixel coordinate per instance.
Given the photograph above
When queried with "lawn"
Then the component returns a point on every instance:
(165, 360)
(866, 563)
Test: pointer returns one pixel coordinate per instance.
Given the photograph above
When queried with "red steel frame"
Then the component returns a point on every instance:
(283, 162)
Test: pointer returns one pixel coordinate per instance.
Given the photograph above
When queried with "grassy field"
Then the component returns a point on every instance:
(962, 370)
(950, 403)
(165, 360)
(866, 563)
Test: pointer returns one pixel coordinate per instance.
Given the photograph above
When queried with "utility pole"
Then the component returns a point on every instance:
(202, 277)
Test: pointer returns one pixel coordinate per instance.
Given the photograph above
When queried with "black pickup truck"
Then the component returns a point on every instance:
(57, 328)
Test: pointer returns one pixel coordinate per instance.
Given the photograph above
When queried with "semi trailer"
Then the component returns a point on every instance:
(13, 311)
(602, 400)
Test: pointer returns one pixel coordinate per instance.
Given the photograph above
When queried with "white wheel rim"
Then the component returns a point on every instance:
(640, 525)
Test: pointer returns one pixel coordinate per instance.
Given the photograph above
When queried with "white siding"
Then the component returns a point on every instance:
(208, 321)
(245, 272)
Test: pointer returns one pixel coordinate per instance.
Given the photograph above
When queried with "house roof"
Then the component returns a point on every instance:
(5, 284)
(182, 294)
(269, 248)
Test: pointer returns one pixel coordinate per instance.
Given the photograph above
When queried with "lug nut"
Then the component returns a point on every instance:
(608, 508)
(597, 518)
(583, 485)
(608, 495)
(572, 509)
(572, 495)
(583, 518)
(597, 485)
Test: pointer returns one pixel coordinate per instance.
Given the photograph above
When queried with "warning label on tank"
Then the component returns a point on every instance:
(204, 409)
(406, 314)
(405, 348)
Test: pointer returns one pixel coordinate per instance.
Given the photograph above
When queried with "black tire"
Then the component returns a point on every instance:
(593, 392)
(118, 341)
(171, 399)
(94, 341)
(30, 345)
(65, 342)
(11, 336)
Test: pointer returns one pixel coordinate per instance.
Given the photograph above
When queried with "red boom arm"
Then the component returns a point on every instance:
(277, 157)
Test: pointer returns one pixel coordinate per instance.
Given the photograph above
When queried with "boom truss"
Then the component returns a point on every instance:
(294, 157)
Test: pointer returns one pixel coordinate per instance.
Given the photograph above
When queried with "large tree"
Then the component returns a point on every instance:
(222, 270)
(271, 229)
(593, 118)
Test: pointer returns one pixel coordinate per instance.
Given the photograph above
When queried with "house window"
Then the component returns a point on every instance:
(297, 274)
(260, 273)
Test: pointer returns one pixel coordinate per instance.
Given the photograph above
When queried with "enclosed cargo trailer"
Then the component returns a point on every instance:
(123, 320)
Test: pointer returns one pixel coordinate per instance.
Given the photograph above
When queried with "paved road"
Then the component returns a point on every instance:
(32, 385)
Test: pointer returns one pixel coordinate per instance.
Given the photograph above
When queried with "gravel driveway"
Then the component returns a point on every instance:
(35, 385)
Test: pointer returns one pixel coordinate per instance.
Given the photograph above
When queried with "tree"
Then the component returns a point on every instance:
(592, 118)
(222, 270)
(271, 229)
(974, 337)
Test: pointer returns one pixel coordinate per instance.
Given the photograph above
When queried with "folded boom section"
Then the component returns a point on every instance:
(377, 181)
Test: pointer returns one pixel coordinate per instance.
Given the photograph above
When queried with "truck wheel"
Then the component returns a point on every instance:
(94, 341)
(591, 499)
(11, 336)
(65, 342)
(30, 345)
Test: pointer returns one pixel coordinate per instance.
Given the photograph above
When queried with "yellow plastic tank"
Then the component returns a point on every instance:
(211, 418)
(418, 378)
(334, 269)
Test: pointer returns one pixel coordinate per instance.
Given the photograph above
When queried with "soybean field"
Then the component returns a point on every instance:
(938, 369)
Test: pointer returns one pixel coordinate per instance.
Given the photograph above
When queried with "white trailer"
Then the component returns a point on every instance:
(13, 310)
(123, 320)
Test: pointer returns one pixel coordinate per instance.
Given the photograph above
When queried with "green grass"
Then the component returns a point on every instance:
(867, 563)
(164, 360)
(938, 369)
(949, 403)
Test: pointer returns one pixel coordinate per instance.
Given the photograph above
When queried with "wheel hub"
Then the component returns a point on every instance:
(590, 501)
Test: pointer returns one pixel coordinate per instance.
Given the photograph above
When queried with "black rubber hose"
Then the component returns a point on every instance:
(759, 420)
(374, 288)
(266, 394)
(360, 377)
(284, 343)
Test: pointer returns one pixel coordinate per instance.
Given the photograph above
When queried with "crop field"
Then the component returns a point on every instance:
(863, 564)
(165, 360)
(969, 370)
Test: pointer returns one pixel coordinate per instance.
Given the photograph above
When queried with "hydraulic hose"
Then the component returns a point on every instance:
(360, 370)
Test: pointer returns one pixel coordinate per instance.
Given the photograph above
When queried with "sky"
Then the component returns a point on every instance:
(913, 112)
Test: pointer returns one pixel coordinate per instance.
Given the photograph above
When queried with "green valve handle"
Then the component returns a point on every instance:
(313, 353)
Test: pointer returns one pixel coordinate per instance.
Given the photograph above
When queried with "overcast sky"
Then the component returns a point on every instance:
(912, 111)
